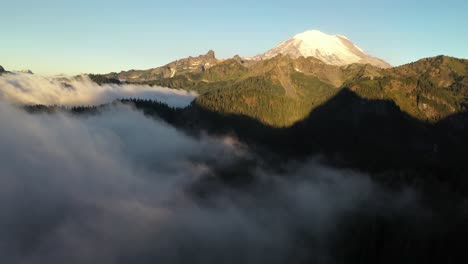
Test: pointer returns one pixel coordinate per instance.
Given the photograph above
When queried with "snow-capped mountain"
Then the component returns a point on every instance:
(331, 49)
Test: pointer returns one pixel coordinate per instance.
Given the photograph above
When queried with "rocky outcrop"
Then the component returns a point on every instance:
(190, 65)
(26, 71)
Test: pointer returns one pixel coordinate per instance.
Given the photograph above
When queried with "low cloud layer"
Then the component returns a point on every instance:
(76, 190)
(119, 187)
(22, 88)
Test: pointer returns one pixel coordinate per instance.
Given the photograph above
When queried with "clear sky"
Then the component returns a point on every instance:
(83, 36)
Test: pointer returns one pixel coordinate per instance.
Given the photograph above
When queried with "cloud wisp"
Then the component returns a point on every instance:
(29, 89)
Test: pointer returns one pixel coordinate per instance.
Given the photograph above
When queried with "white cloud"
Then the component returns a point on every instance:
(119, 187)
(30, 89)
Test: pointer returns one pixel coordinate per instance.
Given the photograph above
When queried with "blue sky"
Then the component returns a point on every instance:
(52, 37)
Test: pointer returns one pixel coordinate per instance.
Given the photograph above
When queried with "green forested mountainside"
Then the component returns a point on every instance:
(279, 91)
(282, 91)
(430, 89)
(266, 100)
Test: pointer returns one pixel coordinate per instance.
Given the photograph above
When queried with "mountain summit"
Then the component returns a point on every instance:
(331, 49)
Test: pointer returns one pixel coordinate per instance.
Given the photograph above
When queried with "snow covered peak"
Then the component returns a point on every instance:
(320, 40)
(331, 49)
(311, 35)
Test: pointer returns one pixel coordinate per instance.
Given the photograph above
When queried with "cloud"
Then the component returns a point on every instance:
(21, 88)
(68, 184)
(119, 187)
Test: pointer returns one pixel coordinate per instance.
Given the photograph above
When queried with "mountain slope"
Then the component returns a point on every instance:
(178, 67)
(284, 89)
(278, 92)
(334, 50)
(281, 91)
(429, 89)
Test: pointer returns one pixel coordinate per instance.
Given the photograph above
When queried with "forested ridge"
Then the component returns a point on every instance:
(282, 91)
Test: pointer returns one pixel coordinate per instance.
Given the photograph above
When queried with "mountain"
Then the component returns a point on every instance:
(178, 67)
(282, 86)
(2, 70)
(277, 91)
(430, 89)
(26, 71)
(282, 90)
(332, 49)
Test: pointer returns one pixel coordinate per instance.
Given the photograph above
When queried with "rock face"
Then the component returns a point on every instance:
(2, 70)
(332, 49)
(26, 71)
(183, 66)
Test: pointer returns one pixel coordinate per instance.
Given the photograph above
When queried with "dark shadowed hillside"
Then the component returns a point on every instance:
(371, 135)
(408, 118)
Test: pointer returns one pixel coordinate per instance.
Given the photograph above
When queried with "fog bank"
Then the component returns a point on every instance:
(119, 187)
(29, 89)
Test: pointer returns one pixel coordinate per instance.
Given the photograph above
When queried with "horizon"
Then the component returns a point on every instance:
(66, 37)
